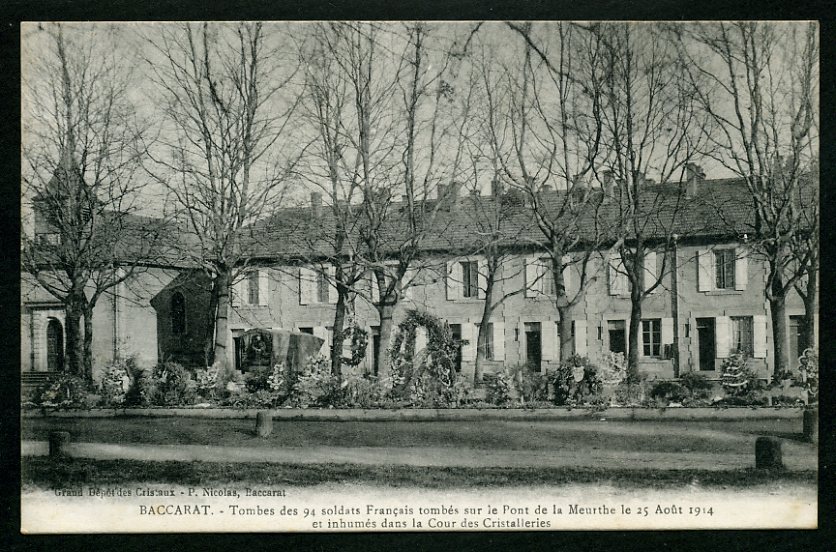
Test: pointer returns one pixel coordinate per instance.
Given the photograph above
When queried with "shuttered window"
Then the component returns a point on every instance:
(252, 288)
(742, 335)
(724, 263)
(470, 279)
(652, 337)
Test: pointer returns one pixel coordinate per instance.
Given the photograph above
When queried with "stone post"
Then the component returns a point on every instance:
(263, 423)
(768, 454)
(811, 425)
(58, 441)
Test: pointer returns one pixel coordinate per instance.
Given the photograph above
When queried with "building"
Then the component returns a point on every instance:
(710, 301)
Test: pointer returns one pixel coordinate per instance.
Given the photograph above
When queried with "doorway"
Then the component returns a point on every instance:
(54, 346)
(533, 346)
(375, 349)
(617, 333)
(456, 330)
(706, 344)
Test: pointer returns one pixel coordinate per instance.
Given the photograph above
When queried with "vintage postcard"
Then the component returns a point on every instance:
(419, 276)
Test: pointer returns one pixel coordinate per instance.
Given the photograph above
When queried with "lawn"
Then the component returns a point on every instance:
(639, 436)
(43, 472)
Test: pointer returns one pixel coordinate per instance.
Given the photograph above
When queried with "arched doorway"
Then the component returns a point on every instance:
(54, 346)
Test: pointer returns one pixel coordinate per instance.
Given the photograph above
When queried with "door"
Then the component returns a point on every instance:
(54, 346)
(456, 330)
(617, 331)
(533, 346)
(375, 349)
(706, 346)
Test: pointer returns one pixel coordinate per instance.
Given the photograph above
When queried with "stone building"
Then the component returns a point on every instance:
(710, 301)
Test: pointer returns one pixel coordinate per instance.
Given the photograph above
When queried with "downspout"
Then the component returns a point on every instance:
(32, 366)
(675, 306)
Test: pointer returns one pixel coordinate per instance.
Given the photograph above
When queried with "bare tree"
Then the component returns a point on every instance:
(227, 159)
(547, 144)
(758, 82)
(392, 132)
(80, 179)
(651, 126)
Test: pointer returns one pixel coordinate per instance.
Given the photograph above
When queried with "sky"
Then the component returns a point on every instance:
(129, 43)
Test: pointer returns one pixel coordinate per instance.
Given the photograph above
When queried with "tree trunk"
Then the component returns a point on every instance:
(338, 333)
(209, 335)
(564, 332)
(88, 342)
(482, 337)
(222, 316)
(633, 341)
(780, 342)
(385, 313)
(75, 351)
(811, 304)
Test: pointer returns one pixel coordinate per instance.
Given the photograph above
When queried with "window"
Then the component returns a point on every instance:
(798, 340)
(321, 287)
(470, 279)
(178, 314)
(49, 239)
(252, 288)
(307, 330)
(546, 278)
(724, 260)
(742, 334)
(489, 350)
(652, 337)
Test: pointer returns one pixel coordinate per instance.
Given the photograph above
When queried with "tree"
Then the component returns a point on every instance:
(385, 125)
(81, 161)
(547, 145)
(758, 82)
(651, 126)
(227, 99)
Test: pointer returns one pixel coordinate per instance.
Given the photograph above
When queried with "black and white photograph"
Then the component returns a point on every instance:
(406, 276)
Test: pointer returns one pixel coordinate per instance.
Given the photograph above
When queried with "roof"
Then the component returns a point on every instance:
(721, 209)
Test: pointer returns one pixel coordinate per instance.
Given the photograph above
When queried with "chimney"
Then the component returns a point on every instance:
(448, 194)
(475, 192)
(545, 188)
(316, 204)
(496, 187)
(404, 198)
(609, 183)
(695, 177)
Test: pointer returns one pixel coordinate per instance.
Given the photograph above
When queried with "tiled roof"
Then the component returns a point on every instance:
(721, 209)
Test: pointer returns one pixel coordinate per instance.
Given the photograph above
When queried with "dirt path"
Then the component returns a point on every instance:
(796, 456)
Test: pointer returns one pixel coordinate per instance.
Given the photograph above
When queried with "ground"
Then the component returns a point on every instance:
(399, 453)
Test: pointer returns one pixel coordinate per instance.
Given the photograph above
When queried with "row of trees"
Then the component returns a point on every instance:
(381, 119)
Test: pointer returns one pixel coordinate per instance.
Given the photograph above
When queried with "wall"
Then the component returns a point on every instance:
(590, 316)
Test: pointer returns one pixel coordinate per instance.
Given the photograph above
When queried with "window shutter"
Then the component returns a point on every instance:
(332, 289)
(420, 338)
(759, 336)
(618, 277)
(580, 337)
(408, 283)
(499, 341)
(483, 277)
(549, 343)
(722, 329)
(306, 283)
(567, 273)
(235, 292)
(531, 272)
(375, 289)
(612, 273)
(453, 282)
(263, 287)
(469, 348)
(667, 331)
(741, 269)
(322, 332)
(649, 269)
(704, 269)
